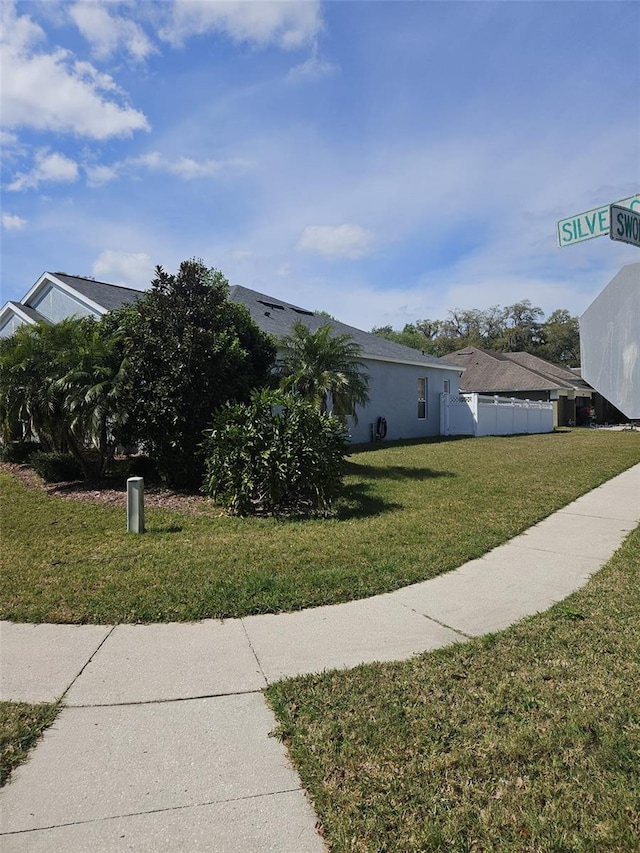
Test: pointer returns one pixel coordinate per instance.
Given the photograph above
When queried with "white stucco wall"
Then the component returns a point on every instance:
(610, 342)
(9, 327)
(393, 394)
(56, 305)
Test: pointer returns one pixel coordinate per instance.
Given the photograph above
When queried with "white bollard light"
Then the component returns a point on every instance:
(135, 505)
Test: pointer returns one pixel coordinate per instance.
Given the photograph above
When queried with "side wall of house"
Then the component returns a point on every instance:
(393, 395)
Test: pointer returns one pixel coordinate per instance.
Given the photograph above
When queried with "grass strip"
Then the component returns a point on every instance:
(21, 724)
(527, 740)
(410, 512)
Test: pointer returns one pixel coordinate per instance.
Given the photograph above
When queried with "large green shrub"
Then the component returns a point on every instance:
(276, 454)
(56, 467)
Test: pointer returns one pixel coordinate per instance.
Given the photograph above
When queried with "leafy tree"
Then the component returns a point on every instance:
(324, 369)
(522, 328)
(561, 339)
(188, 351)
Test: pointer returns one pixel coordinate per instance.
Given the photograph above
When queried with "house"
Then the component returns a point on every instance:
(404, 384)
(524, 376)
(610, 342)
(57, 295)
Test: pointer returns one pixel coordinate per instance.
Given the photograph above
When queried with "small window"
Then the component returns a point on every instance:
(446, 386)
(422, 398)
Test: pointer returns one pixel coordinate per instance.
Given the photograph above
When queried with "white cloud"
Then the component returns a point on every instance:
(312, 69)
(11, 222)
(337, 241)
(132, 269)
(107, 33)
(50, 91)
(49, 168)
(186, 167)
(99, 175)
(8, 139)
(289, 24)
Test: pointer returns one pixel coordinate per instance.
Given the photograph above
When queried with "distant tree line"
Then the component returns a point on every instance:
(520, 327)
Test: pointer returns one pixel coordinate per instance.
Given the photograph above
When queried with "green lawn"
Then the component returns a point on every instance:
(410, 512)
(527, 740)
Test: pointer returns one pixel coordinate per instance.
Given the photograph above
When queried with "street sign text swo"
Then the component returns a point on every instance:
(625, 225)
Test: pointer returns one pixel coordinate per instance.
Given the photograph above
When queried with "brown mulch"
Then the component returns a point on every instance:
(108, 493)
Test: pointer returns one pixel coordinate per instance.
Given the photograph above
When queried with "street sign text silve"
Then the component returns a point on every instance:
(592, 223)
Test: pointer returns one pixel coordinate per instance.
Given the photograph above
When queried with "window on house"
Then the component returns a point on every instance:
(422, 398)
(446, 386)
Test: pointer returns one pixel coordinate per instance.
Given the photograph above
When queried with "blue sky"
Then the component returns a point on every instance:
(383, 161)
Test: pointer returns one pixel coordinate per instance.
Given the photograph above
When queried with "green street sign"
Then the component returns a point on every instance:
(592, 223)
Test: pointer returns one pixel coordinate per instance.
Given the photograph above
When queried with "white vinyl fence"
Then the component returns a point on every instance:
(475, 414)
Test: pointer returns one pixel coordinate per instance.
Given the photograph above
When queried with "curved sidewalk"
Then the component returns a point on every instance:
(163, 741)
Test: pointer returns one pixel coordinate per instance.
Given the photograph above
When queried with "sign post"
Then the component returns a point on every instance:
(625, 224)
(592, 223)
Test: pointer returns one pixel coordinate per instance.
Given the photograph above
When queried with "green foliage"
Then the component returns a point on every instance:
(19, 451)
(60, 382)
(516, 328)
(276, 454)
(324, 369)
(188, 351)
(56, 467)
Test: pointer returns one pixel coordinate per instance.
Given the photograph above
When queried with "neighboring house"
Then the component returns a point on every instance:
(56, 296)
(404, 384)
(610, 342)
(524, 376)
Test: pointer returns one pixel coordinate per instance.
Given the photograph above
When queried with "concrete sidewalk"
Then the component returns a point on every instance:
(163, 743)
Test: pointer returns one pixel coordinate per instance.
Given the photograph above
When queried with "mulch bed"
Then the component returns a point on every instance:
(110, 493)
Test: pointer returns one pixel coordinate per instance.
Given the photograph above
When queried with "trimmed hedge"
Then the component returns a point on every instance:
(56, 467)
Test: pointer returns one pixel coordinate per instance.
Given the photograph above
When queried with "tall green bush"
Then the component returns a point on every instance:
(276, 454)
(188, 351)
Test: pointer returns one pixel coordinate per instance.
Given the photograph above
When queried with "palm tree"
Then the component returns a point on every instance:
(324, 369)
(91, 385)
(30, 403)
(60, 383)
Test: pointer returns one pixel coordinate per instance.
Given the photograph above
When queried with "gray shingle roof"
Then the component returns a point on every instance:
(29, 311)
(110, 296)
(277, 318)
(501, 372)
